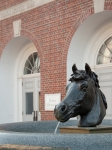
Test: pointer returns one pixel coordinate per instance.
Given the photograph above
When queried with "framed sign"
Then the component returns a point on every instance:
(51, 100)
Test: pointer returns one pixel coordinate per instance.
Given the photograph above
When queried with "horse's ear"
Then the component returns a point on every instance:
(74, 68)
(88, 69)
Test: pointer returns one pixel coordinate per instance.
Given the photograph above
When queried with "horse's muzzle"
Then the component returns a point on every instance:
(60, 111)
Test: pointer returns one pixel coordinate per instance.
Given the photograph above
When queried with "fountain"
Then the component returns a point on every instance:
(55, 131)
(41, 133)
(47, 133)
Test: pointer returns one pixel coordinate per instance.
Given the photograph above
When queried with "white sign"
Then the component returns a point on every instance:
(51, 100)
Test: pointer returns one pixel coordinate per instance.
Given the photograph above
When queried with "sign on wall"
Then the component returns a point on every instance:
(51, 100)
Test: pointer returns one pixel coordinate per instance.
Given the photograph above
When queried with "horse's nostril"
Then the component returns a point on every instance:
(63, 108)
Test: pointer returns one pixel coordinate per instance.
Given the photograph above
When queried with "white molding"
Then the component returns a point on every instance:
(104, 77)
(17, 27)
(102, 66)
(30, 75)
(24, 54)
(98, 5)
(22, 7)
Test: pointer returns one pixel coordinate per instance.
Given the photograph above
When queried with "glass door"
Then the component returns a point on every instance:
(28, 99)
(29, 103)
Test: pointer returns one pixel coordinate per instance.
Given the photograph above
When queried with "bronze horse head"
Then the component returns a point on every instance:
(84, 98)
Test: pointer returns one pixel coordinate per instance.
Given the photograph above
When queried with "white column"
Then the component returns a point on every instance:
(35, 95)
(19, 100)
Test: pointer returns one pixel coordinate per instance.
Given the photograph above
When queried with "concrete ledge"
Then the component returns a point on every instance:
(41, 134)
(22, 147)
(86, 130)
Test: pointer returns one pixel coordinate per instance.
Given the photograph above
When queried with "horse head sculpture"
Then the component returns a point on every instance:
(84, 98)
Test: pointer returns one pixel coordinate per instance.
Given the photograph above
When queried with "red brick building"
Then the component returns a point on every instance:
(52, 34)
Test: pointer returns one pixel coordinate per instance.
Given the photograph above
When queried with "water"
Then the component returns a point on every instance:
(56, 127)
(78, 117)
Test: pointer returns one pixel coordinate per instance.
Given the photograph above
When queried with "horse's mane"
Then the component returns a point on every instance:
(82, 75)
(95, 79)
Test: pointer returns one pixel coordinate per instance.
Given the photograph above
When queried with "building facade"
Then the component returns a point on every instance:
(40, 40)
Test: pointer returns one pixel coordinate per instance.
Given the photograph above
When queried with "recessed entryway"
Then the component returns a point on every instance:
(13, 76)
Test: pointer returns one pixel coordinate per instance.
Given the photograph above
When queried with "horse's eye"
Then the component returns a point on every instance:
(83, 87)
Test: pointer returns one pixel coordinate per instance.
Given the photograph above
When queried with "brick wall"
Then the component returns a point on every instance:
(51, 28)
(108, 5)
(4, 4)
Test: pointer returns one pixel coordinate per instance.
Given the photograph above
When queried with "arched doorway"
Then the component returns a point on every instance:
(101, 63)
(85, 46)
(12, 66)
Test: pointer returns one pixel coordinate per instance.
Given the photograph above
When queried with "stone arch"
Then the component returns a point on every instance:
(7, 39)
(25, 33)
(80, 42)
(33, 39)
(84, 15)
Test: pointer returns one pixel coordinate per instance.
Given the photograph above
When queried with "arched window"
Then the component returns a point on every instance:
(32, 64)
(105, 52)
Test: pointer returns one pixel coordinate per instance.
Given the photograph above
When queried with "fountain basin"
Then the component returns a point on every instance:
(41, 133)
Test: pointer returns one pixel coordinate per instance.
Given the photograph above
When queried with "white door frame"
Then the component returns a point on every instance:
(18, 73)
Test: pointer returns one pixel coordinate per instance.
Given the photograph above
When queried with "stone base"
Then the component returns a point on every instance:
(86, 130)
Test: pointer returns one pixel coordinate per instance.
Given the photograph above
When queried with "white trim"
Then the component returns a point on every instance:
(25, 53)
(98, 5)
(102, 66)
(22, 7)
(30, 75)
